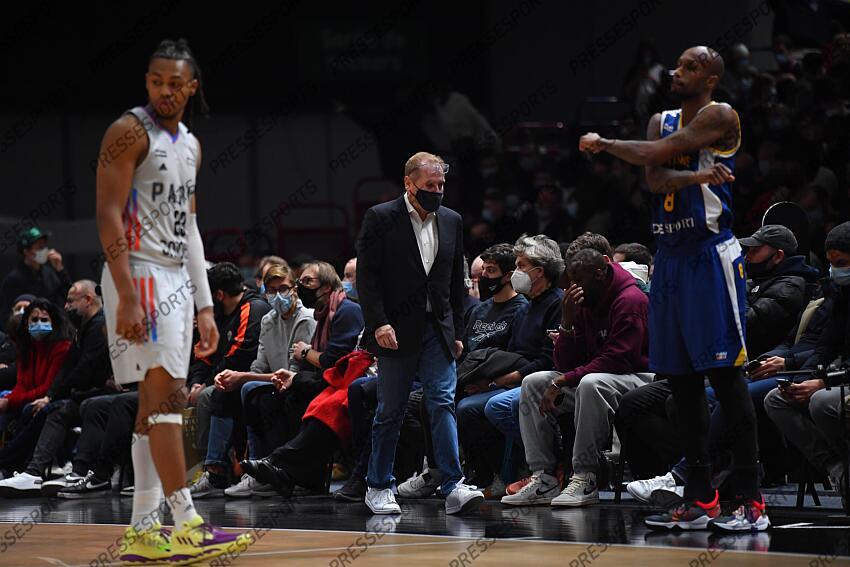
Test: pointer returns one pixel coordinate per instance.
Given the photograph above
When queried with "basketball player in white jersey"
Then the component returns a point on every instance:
(154, 270)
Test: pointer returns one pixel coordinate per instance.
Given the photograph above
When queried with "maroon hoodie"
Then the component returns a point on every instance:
(612, 338)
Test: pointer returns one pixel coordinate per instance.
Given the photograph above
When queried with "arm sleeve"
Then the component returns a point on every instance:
(458, 291)
(195, 264)
(345, 328)
(370, 271)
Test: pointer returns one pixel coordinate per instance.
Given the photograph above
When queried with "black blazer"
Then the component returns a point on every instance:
(392, 283)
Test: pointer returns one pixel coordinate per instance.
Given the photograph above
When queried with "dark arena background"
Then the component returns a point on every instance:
(314, 110)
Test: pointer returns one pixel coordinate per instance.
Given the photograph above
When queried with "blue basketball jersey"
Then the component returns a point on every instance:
(696, 213)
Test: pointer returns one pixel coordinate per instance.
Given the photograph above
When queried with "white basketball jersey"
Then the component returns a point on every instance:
(157, 207)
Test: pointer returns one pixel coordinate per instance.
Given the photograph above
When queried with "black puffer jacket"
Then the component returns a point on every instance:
(774, 302)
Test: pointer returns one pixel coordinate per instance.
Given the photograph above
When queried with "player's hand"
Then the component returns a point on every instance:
(573, 297)
(385, 335)
(717, 174)
(55, 259)
(593, 143)
(130, 322)
(768, 367)
(282, 379)
(209, 333)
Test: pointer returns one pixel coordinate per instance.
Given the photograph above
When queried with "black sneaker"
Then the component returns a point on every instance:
(87, 487)
(50, 488)
(352, 491)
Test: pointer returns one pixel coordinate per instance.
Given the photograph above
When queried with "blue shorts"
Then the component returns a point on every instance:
(697, 308)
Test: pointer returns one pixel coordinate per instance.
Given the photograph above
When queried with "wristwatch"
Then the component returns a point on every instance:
(304, 353)
(493, 386)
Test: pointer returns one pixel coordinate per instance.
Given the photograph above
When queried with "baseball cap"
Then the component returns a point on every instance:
(27, 237)
(774, 235)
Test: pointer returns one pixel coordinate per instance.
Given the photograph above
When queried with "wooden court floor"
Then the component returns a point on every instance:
(79, 545)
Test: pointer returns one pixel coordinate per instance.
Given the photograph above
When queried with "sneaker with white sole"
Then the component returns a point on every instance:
(204, 488)
(87, 487)
(421, 485)
(382, 501)
(247, 487)
(51, 487)
(463, 498)
(641, 490)
(541, 489)
(20, 485)
(580, 491)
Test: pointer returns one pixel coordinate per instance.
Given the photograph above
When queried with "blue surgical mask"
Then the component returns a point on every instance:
(349, 289)
(281, 303)
(39, 330)
(841, 276)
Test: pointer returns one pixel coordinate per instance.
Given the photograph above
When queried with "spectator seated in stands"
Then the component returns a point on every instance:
(263, 266)
(601, 352)
(40, 272)
(238, 312)
(636, 259)
(8, 350)
(303, 461)
(484, 416)
(288, 323)
(777, 286)
(43, 346)
(84, 374)
(349, 279)
(339, 321)
(489, 325)
(808, 414)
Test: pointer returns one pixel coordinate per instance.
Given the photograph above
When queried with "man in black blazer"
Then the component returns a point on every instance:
(410, 280)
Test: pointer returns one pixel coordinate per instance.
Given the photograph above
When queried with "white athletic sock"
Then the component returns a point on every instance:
(182, 507)
(147, 491)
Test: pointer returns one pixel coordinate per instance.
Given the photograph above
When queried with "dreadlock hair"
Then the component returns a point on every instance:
(179, 50)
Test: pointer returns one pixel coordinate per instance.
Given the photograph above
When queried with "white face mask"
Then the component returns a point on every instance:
(521, 282)
(41, 256)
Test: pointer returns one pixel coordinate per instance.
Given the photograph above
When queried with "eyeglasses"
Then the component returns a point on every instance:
(307, 281)
(283, 289)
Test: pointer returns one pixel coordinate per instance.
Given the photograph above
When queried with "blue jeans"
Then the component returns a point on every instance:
(503, 412)
(435, 368)
(221, 428)
(718, 438)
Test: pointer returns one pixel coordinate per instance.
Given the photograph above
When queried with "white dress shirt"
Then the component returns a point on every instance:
(426, 239)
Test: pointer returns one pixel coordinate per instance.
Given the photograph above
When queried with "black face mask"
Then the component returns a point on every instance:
(428, 200)
(488, 287)
(307, 296)
(75, 317)
(758, 269)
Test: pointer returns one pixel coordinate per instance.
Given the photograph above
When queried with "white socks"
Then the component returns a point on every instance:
(182, 508)
(147, 490)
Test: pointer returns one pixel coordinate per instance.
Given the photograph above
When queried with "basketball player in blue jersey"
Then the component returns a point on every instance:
(698, 293)
(154, 271)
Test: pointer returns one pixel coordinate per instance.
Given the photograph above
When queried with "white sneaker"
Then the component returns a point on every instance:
(541, 490)
(463, 498)
(203, 488)
(421, 485)
(642, 489)
(382, 501)
(242, 489)
(20, 485)
(580, 491)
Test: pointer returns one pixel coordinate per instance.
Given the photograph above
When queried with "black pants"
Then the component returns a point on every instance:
(108, 423)
(305, 457)
(650, 443)
(18, 450)
(276, 416)
(63, 415)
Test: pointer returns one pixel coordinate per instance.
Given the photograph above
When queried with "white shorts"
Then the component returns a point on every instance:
(166, 296)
